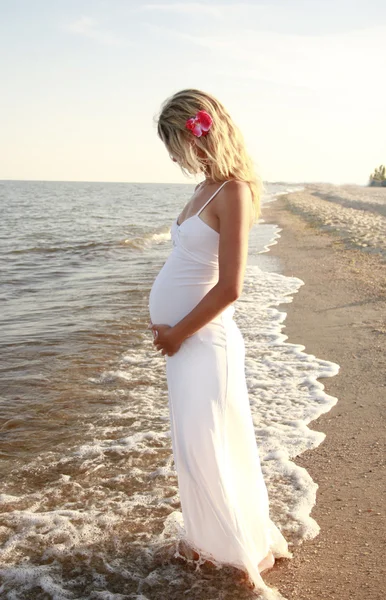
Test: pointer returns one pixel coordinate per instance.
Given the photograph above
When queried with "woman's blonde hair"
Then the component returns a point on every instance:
(221, 153)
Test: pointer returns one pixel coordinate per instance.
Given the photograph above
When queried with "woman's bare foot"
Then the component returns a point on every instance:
(246, 580)
(186, 551)
(177, 550)
(267, 562)
(190, 554)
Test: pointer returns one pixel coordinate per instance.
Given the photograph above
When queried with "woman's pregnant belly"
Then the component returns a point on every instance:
(178, 288)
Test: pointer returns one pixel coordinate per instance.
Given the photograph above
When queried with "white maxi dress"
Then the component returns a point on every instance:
(224, 500)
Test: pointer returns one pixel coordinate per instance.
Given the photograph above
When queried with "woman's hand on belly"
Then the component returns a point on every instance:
(165, 339)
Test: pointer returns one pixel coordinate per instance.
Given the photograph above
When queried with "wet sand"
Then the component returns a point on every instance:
(338, 315)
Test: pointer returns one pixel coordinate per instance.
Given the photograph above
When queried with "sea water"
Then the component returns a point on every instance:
(88, 486)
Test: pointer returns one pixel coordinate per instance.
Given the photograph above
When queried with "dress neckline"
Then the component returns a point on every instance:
(202, 208)
(193, 217)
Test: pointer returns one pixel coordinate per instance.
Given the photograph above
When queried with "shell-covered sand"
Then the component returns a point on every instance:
(339, 314)
(356, 213)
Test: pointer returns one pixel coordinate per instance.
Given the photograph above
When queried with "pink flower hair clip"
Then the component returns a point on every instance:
(200, 124)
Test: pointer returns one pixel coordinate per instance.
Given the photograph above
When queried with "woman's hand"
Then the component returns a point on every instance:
(164, 339)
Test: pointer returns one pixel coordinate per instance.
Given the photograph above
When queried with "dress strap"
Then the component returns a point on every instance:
(213, 195)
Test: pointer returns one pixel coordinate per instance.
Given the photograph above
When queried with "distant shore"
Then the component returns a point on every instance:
(338, 315)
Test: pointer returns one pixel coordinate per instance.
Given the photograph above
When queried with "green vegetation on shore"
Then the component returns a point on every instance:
(378, 177)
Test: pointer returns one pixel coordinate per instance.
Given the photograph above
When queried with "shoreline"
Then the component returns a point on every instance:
(339, 316)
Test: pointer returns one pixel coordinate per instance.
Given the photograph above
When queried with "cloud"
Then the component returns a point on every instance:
(88, 27)
(192, 8)
(210, 42)
(199, 8)
(328, 62)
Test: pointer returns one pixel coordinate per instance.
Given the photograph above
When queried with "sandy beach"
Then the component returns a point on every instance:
(337, 248)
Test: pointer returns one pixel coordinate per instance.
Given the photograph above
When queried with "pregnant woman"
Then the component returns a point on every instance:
(224, 499)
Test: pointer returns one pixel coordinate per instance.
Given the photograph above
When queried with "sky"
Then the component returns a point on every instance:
(82, 82)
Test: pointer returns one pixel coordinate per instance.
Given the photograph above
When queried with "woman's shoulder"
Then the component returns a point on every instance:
(237, 184)
(237, 193)
(237, 187)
